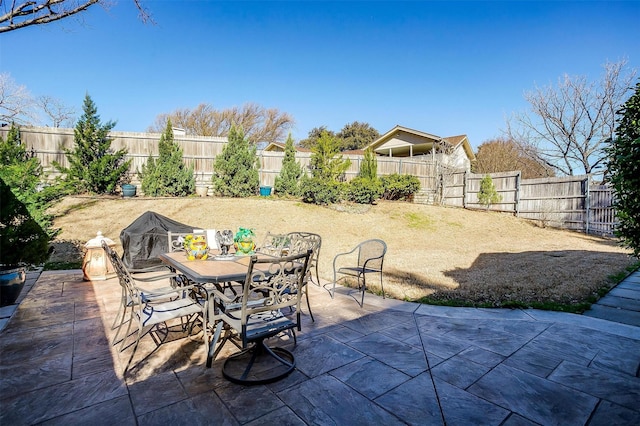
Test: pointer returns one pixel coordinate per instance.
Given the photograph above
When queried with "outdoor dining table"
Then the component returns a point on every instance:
(211, 270)
(220, 273)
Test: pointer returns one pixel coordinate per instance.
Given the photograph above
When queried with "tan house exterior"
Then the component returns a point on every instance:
(453, 151)
(280, 147)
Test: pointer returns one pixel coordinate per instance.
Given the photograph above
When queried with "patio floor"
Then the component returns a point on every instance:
(390, 362)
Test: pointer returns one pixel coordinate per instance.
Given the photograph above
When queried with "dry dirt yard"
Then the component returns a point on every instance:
(446, 253)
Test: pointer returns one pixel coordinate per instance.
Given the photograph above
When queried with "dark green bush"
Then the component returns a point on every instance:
(235, 169)
(287, 182)
(369, 165)
(94, 166)
(167, 176)
(400, 187)
(320, 191)
(364, 191)
(624, 169)
(24, 175)
(22, 239)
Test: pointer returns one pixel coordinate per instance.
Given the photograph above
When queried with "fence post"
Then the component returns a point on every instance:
(464, 189)
(517, 194)
(587, 203)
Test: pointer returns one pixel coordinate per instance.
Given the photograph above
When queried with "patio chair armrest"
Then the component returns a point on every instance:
(364, 266)
(149, 269)
(343, 254)
(155, 277)
(224, 298)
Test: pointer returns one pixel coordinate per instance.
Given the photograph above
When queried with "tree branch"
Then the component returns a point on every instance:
(38, 12)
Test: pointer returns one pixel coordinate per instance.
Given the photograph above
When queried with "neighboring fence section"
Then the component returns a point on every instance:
(565, 202)
(561, 202)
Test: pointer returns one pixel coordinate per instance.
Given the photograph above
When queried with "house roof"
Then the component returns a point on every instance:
(279, 146)
(402, 141)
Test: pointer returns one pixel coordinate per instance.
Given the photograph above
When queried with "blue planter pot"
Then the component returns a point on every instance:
(265, 191)
(128, 190)
(11, 284)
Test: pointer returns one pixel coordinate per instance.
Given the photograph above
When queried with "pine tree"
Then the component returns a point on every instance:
(167, 176)
(94, 166)
(11, 150)
(488, 194)
(369, 165)
(326, 161)
(366, 188)
(287, 182)
(235, 169)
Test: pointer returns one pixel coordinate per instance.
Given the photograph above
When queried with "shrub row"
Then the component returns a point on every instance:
(360, 190)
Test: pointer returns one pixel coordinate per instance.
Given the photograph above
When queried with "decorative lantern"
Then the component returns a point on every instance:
(96, 266)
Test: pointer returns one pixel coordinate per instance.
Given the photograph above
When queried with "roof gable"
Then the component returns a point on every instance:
(280, 147)
(403, 142)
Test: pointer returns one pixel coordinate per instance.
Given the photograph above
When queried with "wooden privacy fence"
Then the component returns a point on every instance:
(563, 202)
(566, 202)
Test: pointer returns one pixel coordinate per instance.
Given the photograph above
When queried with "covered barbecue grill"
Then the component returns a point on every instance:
(146, 237)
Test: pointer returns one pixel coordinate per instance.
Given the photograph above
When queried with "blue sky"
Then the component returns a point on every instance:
(443, 67)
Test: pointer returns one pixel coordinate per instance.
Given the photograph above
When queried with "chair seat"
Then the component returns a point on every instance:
(162, 312)
(159, 293)
(355, 271)
(267, 324)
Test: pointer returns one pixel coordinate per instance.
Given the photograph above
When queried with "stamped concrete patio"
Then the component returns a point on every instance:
(389, 363)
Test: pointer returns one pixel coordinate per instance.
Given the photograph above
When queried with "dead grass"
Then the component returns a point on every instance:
(442, 253)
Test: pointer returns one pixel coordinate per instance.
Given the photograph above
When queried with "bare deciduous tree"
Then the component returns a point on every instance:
(20, 14)
(258, 123)
(16, 103)
(568, 125)
(505, 155)
(56, 110)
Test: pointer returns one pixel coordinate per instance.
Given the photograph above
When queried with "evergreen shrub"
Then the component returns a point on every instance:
(167, 176)
(235, 169)
(94, 166)
(288, 181)
(399, 187)
(364, 190)
(321, 191)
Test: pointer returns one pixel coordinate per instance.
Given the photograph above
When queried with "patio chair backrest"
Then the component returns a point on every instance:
(176, 240)
(303, 241)
(274, 244)
(272, 284)
(371, 254)
(124, 276)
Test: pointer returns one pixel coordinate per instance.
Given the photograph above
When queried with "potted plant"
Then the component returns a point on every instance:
(22, 243)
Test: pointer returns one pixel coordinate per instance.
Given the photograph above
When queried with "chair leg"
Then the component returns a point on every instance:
(119, 327)
(120, 312)
(317, 275)
(135, 348)
(211, 356)
(364, 288)
(333, 292)
(124, 339)
(238, 367)
(381, 285)
(306, 292)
